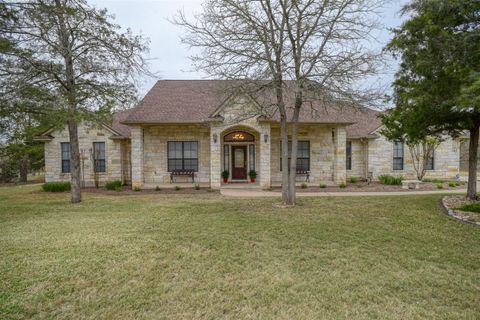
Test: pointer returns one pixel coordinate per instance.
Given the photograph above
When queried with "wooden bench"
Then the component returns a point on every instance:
(407, 183)
(305, 173)
(182, 173)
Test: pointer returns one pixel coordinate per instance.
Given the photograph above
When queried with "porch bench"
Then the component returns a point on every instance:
(407, 183)
(306, 173)
(182, 173)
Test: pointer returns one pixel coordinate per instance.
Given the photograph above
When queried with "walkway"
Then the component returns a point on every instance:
(262, 193)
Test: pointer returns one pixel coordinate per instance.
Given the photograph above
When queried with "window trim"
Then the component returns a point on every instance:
(394, 157)
(302, 158)
(62, 160)
(95, 169)
(348, 155)
(183, 155)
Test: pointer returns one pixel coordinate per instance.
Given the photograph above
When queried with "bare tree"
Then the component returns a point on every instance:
(76, 52)
(317, 49)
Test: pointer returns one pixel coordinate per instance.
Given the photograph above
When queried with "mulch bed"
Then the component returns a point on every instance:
(373, 187)
(127, 191)
(452, 204)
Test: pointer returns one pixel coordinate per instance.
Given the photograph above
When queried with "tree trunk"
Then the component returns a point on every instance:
(67, 43)
(472, 162)
(284, 142)
(76, 195)
(292, 197)
(24, 169)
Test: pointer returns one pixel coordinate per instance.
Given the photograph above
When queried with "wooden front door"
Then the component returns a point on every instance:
(239, 163)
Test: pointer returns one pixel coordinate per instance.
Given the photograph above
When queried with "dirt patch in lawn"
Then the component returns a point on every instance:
(454, 204)
(373, 187)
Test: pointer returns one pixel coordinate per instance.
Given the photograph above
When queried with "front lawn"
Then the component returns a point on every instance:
(210, 257)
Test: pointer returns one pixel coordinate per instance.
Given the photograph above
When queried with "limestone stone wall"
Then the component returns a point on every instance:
(322, 153)
(358, 159)
(380, 159)
(155, 164)
(87, 135)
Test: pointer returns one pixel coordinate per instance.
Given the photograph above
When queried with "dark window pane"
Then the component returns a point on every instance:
(182, 155)
(226, 157)
(65, 153)
(349, 155)
(398, 155)
(251, 154)
(303, 155)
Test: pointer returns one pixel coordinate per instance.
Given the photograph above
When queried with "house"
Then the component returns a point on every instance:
(195, 126)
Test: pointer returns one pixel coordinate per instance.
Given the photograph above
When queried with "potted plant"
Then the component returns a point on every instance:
(253, 175)
(225, 175)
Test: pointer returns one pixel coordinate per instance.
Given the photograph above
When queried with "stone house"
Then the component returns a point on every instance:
(195, 127)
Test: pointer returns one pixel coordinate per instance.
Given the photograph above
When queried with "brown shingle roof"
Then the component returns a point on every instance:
(187, 101)
(119, 117)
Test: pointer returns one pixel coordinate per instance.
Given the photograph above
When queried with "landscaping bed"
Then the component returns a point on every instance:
(375, 187)
(459, 207)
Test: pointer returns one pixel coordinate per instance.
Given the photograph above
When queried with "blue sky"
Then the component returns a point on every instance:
(169, 58)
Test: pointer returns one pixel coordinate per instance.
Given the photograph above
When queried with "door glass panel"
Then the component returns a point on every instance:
(239, 156)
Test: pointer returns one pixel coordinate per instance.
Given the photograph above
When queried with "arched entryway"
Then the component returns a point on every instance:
(240, 153)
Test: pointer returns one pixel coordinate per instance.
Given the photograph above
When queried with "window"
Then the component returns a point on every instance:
(99, 156)
(303, 155)
(65, 157)
(398, 155)
(431, 161)
(349, 155)
(226, 157)
(182, 155)
(251, 156)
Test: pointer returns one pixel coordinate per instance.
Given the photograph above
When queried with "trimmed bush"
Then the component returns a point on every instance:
(303, 186)
(157, 188)
(137, 188)
(342, 185)
(453, 184)
(56, 186)
(353, 179)
(439, 185)
(390, 180)
(177, 188)
(323, 186)
(113, 185)
(197, 187)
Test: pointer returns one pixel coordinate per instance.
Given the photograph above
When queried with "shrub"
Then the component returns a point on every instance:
(137, 187)
(323, 186)
(113, 185)
(343, 185)
(303, 186)
(118, 189)
(177, 188)
(390, 180)
(197, 187)
(209, 189)
(56, 186)
(433, 180)
(471, 207)
(453, 184)
(439, 185)
(225, 174)
(353, 179)
(157, 188)
(252, 174)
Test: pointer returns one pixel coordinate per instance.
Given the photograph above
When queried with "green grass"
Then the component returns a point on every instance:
(210, 257)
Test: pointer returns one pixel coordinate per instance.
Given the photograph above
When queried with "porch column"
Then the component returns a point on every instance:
(265, 158)
(340, 161)
(137, 156)
(215, 156)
